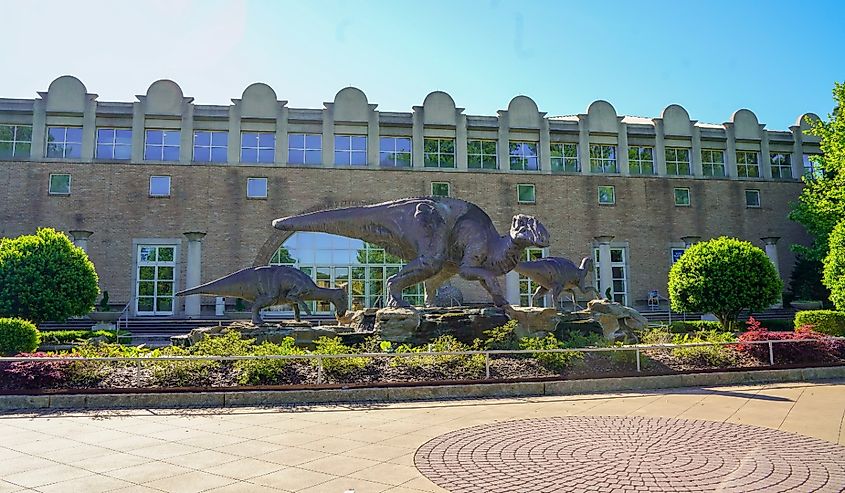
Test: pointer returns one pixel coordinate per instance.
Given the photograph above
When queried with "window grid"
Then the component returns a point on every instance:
(305, 149)
(482, 154)
(618, 270)
(812, 168)
(677, 161)
(256, 188)
(526, 193)
(752, 198)
(159, 186)
(114, 143)
(211, 146)
(439, 153)
(258, 147)
(747, 164)
(526, 285)
(641, 160)
(15, 141)
(682, 197)
(64, 142)
(564, 158)
(395, 152)
(440, 189)
(781, 163)
(59, 184)
(713, 162)
(603, 159)
(350, 150)
(162, 145)
(607, 194)
(523, 156)
(156, 276)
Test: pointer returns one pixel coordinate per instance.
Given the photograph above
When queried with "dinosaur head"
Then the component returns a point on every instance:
(341, 301)
(587, 264)
(527, 231)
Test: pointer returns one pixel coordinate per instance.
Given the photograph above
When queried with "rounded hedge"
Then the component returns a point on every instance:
(723, 276)
(18, 336)
(45, 277)
(829, 322)
(834, 266)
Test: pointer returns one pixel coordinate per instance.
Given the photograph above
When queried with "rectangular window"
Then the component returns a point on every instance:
(482, 154)
(564, 158)
(211, 147)
(64, 142)
(747, 164)
(395, 152)
(439, 153)
(59, 185)
(677, 161)
(305, 149)
(752, 198)
(439, 189)
(641, 160)
(256, 188)
(781, 164)
(812, 169)
(114, 143)
(682, 197)
(527, 286)
(159, 186)
(155, 280)
(713, 162)
(526, 194)
(607, 195)
(618, 272)
(676, 253)
(523, 156)
(258, 147)
(603, 159)
(15, 141)
(162, 145)
(350, 150)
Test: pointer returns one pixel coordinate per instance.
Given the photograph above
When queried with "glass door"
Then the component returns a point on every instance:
(155, 280)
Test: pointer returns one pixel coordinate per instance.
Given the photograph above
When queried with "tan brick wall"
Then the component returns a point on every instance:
(112, 201)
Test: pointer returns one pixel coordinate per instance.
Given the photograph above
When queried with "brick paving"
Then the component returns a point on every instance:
(629, 453)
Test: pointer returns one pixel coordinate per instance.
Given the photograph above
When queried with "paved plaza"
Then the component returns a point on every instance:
(777, 436)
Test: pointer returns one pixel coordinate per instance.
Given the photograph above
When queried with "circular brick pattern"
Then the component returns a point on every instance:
(620, 453)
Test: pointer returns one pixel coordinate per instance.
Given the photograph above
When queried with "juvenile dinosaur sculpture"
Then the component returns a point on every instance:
(557, 274)
(438, 236)
(273, 285)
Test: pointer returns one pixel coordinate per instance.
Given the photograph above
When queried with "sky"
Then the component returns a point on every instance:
(776, 58)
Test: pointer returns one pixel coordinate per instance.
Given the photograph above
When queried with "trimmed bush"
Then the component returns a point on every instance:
(834, 266)
(59, 337)
(45, 277)
(723, 276)
(830, 322)
(18, 336)
(683, 327)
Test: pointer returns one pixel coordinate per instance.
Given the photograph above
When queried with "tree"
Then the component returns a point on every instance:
(45, 277)
(724, 276)
(834, 266)
(822, 202)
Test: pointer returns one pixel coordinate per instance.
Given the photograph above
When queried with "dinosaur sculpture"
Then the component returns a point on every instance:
(438, 236)
(557, 274)
(273, 285)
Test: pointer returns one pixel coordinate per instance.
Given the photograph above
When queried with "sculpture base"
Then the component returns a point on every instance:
(421, 325)
(303, 333)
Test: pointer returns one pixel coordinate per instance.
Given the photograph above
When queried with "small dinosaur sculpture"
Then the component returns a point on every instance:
(273, 285)
(438, 236)
(557, 274)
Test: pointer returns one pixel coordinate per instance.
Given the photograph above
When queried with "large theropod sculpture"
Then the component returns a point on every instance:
(438, 236)
(272, 285)
(556, 275)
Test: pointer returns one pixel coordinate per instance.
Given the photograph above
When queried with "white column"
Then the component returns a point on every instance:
(622, 147)
(39, 129)
(233, 143)
(770, 243)
(695, 155)
(730, 152)
(418, 138)
(80, 239)
(659, 148)
(281, 152)
(545, 147)
(328, 135)
(584, 144)
(89, 128)
(512, 287)
(765, 159)
(797, 151)
(461, 137)
(186, 136)
(605, 272)
(504, 141)
(193, 276)
(138, 132)
(373, 141)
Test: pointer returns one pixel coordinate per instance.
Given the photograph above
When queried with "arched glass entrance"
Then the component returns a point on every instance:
(331, 260)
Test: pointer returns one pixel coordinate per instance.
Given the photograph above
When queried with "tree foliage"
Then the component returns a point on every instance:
(834, 266)
(723, 276)
(822, 202)
(45, 277)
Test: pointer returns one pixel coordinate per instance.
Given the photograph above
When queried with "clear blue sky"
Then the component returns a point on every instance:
(777, 58)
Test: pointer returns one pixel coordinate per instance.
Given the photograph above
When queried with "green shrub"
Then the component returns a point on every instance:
(717, 355)
(829, 322)
(445, 343)
(777, 324)
(267, 371)
(18, 336)
(723, 276)
(834, 266)
(190, 373)
(502, 337)
(575, 339)
(556, 362)
(339, 366)
(229, 344)
(45, 277)
(58, 337)
(656, 335)
(682, 327)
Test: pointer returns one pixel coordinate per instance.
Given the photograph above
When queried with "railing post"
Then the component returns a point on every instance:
(138, 373)
(487, 365)
(771, 354)
(319, 369)
(638, 359)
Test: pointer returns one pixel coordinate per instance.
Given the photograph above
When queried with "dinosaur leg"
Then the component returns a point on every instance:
(296, 311)
(259, 303)
(418, 270)
(431, 286)
(538, 294)
(488, 281)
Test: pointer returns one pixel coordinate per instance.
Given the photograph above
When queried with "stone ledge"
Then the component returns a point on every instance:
(411, 393)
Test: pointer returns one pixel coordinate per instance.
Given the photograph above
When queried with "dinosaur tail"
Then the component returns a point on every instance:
(330, 221)
(224, 286)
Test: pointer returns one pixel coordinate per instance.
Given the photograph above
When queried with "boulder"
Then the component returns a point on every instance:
(304, 333)
(618, 322)
(533, 321)
(397, 324)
